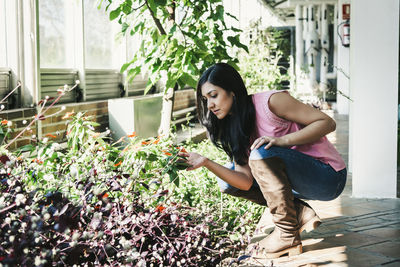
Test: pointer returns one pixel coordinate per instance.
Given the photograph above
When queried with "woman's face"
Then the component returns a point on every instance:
(219, 101)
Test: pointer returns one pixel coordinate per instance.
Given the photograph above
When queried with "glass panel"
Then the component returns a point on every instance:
(3, 47)
(99, 36)
(52, 30)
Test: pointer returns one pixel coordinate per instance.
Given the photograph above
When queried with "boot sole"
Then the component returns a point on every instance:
(308, 227)
(293, 251)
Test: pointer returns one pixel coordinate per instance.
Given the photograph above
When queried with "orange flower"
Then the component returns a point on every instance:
(4, 122)
(156, 141)
(132, 135)
(166, 153)
(51, 135)
(182, 149)
(95, 135)
(160, 208)
(105, 195)
(117, 164)
(145, 142)
(68, 115)
(38, 161)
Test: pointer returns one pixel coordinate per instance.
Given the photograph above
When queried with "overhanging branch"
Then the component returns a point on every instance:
(156, 20)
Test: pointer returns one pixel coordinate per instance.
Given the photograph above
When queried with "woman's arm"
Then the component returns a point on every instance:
(317, 124)
(240, 178)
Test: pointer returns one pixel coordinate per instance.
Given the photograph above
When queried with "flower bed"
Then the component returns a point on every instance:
(125, 203)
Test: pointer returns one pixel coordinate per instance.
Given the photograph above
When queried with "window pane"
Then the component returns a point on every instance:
(99, 36)
(52, 30)
(3, 47)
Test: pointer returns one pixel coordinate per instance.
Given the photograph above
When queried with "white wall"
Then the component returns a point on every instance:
(343, 66)
(374, 54)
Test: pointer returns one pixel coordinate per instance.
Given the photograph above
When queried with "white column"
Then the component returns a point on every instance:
(305, 22)
(13, 34)
(343, 67)
(29, 57)
(311, 46)
(323, 85)
(76, 36)
(80, 46)
(299, 39)
(374, 65)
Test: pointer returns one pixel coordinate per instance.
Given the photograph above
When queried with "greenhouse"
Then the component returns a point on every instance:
(199, 133)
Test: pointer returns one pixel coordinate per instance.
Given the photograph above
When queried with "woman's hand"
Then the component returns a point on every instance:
(270, 141)
(195, 160)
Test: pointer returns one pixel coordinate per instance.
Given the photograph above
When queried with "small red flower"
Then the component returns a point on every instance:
(68, 115)
(38, 161)
(117, 164)
(160, 208)
(4, 122)
(95, 135)
(132, 135)
(50, 135)
(167, 153)
(182, 149)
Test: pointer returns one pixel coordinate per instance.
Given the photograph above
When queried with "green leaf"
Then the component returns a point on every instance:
(115, 13)
(220, 13)
(152, 5)
(127, 7)
(200, 43)
(232, 16)
(99, 5)
(27, 148)
(125, 26)
(152, 157)
(132, 73)
(160, 2)
(188, 79)
(125, 66)
(236, 42)
(138, 27)
(173, 29)
(149, 85)
(236, 29)
(173, 177)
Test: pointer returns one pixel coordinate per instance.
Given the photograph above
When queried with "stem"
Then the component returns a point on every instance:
(18, 85)
(9, 207)
(156, 20)
(38, 115)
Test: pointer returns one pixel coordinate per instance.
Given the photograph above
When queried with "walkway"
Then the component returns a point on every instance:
(354, 231)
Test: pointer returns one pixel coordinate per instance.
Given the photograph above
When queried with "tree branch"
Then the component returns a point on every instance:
(156, 20)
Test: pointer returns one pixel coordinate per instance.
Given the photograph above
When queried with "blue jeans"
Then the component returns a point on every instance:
(309, 177)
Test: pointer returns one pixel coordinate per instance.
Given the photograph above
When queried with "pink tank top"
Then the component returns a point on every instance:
(267, 123)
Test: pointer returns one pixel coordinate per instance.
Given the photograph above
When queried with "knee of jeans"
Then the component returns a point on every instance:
(262, 153)
(339, 189)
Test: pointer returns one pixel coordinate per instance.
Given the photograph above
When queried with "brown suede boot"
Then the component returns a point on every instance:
(307, 218)
(274, 184)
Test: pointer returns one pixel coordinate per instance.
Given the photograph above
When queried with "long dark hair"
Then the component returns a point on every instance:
(234, 132)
